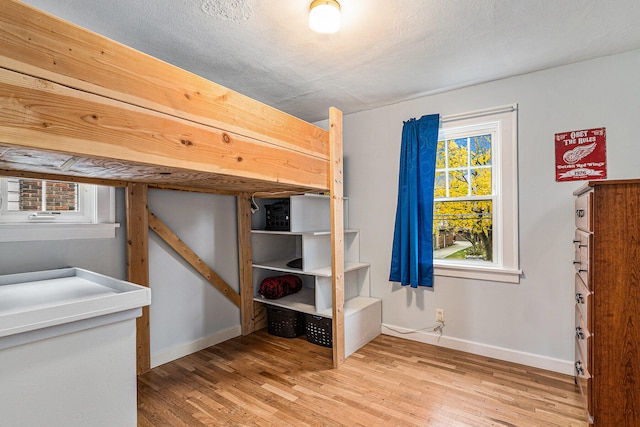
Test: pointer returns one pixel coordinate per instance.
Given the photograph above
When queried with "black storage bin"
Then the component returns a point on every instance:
(285, 323)
(277, 216)
(319, 330)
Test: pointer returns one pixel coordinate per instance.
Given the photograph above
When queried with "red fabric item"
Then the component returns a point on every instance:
(280, 286)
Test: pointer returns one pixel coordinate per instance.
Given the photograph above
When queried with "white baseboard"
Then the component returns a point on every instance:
(509, 355)
(182, 350)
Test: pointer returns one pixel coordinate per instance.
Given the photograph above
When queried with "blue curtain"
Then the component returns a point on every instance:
(412, 255)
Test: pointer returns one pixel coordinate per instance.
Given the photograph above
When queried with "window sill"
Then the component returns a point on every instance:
(488, 272)
(40, 232)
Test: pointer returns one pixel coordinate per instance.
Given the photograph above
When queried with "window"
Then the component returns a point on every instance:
(46, 201)
(33, 209)
(475, 230)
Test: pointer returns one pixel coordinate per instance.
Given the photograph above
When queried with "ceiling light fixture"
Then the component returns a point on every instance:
(324, 16)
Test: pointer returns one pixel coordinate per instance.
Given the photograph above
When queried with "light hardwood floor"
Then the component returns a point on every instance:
(262, 380)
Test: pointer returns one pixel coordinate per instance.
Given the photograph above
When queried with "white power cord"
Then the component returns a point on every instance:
(254, 205)
(433, 328)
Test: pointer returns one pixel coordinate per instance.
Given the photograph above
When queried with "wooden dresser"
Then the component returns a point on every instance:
(607, 310)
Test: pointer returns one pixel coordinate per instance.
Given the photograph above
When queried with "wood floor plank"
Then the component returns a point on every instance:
(263, 380)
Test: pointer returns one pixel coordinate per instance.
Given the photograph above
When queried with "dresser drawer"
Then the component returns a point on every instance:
(581, 368)
(583, 212)
(585, 386)
(582, 359)
(582, 242)
(583, 341)
(584, 383)
(583, 298)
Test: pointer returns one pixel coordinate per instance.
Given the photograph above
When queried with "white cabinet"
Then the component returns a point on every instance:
(68, 348)
(310, 239)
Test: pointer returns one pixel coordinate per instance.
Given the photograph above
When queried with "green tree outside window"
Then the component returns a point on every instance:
(463, 195)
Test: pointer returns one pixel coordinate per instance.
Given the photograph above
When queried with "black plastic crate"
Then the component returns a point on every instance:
(277, 216)
(319, 330)
(285, 323)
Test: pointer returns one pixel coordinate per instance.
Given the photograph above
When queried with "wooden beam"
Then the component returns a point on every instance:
(259, 316)
(138, 265)
(35, 43)
(188, 189)
(337, 234)
(245, 260)
(67, 178)
(45, 116)
(194, 260)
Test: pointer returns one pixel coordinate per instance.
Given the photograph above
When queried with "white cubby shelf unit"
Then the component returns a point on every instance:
(309, 238)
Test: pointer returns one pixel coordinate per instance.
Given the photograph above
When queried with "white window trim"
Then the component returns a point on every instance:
(506, 267)
(102, 226)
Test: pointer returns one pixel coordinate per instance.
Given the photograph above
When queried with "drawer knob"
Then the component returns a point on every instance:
(579, 368)
(580, 213)
(579, 298)
(576, 241)
(579, 333)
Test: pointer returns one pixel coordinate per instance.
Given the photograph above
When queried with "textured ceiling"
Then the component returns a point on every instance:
(386, 52)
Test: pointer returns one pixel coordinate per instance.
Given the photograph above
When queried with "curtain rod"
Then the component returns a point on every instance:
(479, 113)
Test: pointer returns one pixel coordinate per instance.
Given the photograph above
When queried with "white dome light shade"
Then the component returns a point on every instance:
(324, 16)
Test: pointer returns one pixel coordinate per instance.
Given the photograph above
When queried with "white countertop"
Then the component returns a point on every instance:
(37, 300)
(20, 297)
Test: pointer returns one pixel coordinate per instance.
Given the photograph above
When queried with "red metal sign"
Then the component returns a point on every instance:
(581, 155)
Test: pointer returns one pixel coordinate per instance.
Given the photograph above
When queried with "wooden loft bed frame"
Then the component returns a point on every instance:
(130, 120)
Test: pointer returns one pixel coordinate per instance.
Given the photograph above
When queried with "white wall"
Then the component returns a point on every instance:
(105, 256)
(187, 313)
(530, 322)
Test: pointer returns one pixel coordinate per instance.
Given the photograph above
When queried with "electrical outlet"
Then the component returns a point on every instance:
(440, 315)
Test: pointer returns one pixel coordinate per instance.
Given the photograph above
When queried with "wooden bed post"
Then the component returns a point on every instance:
(337, 233)
(245, 263)
(138, 264)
